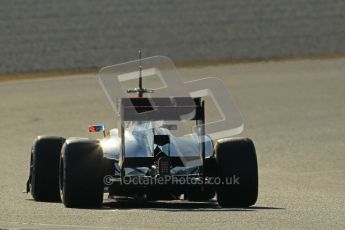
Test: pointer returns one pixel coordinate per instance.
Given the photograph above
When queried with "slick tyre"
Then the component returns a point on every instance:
(44, 168)
(238, 171)
(82, 174)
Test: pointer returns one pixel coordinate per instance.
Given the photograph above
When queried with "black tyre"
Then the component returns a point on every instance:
(44, 168)
(82, 174)
(236, 158)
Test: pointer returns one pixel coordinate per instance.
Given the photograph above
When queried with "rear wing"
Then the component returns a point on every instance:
(161, 108)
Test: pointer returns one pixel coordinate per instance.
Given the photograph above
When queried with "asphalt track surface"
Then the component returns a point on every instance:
(294, 111)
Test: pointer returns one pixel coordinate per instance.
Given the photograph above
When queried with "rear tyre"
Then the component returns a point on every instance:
(82, 174)
(236, 158)
(44, 168)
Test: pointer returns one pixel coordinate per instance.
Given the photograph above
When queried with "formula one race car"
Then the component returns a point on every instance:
(160, 150)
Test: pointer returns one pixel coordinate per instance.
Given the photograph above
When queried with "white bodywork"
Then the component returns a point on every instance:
(139, 143)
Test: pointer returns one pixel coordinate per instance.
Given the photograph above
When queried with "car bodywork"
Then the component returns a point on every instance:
(151, 114)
